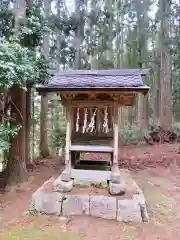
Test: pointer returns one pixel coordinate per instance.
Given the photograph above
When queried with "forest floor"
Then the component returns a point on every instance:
(155, 168)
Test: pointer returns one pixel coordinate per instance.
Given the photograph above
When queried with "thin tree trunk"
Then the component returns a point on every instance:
(156, 84)
(43, 147)
(28, 125)
(44, 150)
(165, 73)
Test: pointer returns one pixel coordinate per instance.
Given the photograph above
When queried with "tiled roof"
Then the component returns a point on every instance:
(98, 78)
(92, 79)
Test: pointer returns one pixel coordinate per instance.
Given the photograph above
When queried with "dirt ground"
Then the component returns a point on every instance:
(155, 168)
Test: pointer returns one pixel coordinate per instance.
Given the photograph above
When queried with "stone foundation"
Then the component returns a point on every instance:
(55, 196)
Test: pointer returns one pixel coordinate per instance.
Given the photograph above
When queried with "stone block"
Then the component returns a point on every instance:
(140, 199)
(66, 175)
(61, 186)
(116, 188)
(46, 202)
(128, 210)
(76, 205)
(115, 177)
(103, 207)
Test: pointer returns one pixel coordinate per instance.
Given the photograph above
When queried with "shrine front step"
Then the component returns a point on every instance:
(90, 175)
(92, 167)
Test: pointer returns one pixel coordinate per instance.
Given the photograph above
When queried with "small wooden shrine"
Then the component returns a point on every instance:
(91, 99)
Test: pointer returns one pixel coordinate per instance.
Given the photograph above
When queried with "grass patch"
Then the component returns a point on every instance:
(160, 204)
(130, 233)
(34, 233)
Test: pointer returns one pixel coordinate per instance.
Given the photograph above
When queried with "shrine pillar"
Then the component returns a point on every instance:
(68, 136)
(115, 135)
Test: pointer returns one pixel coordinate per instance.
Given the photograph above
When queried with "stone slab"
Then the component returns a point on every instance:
(128, 210)
(46, 202)
(143, 206)
(92, 148)
(76, 205)
(91, 175)
(103, 207)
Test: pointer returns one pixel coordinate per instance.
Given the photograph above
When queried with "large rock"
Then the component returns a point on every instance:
(61, 186)
(116, 188)
(128, 210)
(103, 207)
(46, 202)
(66, 175)
(76, 205)
(115, 177)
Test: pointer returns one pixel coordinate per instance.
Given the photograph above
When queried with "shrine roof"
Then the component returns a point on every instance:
(111, 79)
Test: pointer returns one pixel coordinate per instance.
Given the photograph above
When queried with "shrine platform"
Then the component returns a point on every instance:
(89, 195)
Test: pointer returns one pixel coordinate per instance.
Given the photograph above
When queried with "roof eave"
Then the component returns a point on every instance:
(47, 89)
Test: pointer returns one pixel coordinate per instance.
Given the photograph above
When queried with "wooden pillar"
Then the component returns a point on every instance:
(68, 136)
(97, 121)
(116, 136)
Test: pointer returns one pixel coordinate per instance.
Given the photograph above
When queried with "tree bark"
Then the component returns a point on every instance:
(165, 70)
(140, 111)
(43, 147)
(28, 125)
(16, 168)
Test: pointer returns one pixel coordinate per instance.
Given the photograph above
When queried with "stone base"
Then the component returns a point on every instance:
(46, 202)
(129, 209)
(66, 175)
(117, 188)
(115, 177)
(62, 186)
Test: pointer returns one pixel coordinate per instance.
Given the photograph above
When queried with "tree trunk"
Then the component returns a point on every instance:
(43, 147)
(156, 83)
(165, 72)
(140, 111)
(28, 125)
(145, 111)
(16, 168)
(44, 150)
(79, 34)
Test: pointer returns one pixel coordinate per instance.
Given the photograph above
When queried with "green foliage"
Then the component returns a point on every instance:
(20, 59)
(16, 64)
(31, 211)
(7, 132)
(129, 133)
(41, 65)
(176, 127)
(58, 136)
(32, 30)
(6, 22)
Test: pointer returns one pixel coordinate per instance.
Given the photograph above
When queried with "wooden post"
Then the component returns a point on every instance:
(97, 121)
(68, 137)
(116, 136)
